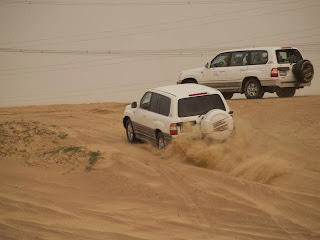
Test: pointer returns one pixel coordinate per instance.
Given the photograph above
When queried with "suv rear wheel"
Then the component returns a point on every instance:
(189, 80)
(253, 89)
(160, 141)
(285, 92)
(227, 95)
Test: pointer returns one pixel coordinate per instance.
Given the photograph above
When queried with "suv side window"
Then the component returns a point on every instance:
(258, 57)
(222, 60)
(239, 59)
(145, 101)
(164, 106)
(154, 104)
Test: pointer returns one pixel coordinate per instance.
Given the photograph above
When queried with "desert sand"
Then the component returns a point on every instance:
(68, 172)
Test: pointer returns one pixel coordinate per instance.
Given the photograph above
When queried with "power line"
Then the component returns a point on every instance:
(162, 52)
(132, 28)
(194, 52)
(133, 3)
(265, 36)
(85, 90)
(82, 95)
(97, 65)
(60, 64)
(182, 51)
(10, 2)
(180, 27)
(99, 52)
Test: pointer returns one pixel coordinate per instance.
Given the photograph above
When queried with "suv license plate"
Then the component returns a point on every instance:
(283, 73)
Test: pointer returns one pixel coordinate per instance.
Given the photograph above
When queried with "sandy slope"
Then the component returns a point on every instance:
(261, 184)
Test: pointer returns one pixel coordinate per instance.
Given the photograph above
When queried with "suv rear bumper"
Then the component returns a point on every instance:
(282, 84)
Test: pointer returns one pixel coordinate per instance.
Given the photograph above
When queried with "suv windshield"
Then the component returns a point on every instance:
(199, 105)
(288, 56)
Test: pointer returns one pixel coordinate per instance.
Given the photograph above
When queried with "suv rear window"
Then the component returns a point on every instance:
(199, 105)
(288, 56)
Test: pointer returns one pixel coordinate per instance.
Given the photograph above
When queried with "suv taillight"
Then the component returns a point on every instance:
(173, 129)
(274, 72)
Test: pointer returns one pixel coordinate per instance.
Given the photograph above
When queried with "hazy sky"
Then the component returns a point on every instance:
(130, 27)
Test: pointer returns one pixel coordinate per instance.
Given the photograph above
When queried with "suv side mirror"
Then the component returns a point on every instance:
(207, 65)
(134, 105)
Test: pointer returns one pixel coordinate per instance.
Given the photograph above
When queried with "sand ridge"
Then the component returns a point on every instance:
(260, 184)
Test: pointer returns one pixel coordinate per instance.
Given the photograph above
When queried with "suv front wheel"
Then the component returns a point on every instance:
(253, 89)
(130, 132)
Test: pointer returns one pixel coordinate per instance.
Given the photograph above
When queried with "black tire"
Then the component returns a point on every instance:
(189, 80)
(303, 70)
(131, 136)
(160, 141)
(227, 95)
(285, 92)
(253, 89)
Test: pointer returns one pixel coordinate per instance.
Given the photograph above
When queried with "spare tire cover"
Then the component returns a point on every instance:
(217, 124)
(303, 70)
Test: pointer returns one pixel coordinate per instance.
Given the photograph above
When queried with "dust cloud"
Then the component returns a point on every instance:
(241, 155)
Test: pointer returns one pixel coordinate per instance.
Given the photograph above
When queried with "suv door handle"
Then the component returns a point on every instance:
(242, 70)
(221, 71)
(154, 118)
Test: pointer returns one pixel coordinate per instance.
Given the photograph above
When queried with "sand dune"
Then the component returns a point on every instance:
(68, 172)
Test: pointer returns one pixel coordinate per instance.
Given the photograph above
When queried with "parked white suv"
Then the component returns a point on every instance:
(254, 71)
(162, 112)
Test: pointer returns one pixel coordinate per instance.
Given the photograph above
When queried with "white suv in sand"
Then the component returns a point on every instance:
(162, 112)
(254, 71)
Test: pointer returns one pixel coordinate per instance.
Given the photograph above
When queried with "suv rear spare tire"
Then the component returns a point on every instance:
(217, 124)
(303, 70)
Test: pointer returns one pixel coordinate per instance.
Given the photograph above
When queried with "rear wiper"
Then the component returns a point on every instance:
(203, 113)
